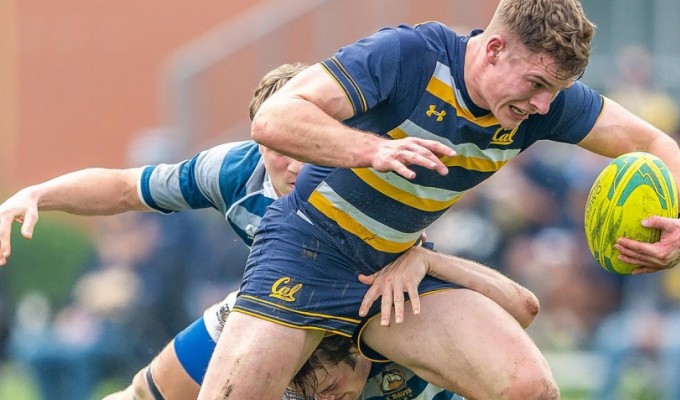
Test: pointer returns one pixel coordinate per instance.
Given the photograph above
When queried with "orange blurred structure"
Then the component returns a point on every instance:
(79, 78)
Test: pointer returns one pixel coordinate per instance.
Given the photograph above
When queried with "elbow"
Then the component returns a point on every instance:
(258, 128)
(261, 129)
(530, 307)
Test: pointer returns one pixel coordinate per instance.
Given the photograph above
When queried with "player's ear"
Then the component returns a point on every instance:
(494, 45)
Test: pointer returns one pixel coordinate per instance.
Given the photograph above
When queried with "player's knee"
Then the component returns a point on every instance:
(528, 385)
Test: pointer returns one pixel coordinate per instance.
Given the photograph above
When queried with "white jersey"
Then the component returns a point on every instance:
(390, 381)
(230, 178)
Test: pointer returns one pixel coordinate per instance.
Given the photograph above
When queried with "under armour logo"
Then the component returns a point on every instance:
(433, 111)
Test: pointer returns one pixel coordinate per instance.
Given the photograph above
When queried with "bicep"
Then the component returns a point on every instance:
(618, 131)
(316, 86)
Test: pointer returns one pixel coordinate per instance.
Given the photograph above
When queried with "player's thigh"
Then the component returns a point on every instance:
(464, 342)
(256, 359)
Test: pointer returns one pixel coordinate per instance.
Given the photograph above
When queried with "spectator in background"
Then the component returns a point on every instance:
(634, 89)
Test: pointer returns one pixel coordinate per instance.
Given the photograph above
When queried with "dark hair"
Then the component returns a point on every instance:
(332, 350)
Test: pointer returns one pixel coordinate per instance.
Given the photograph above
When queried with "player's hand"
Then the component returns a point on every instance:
(401, 276)
(397, 155)
(22, 208)
(653, 257)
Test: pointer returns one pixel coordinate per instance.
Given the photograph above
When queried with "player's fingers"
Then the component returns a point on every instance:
(437, 148)
(369, 298)
(402, 170)
(367, 279)
(658, 222)
(427, 160)
(4, 252)
(642, 260)
(626, 251)
(414, 298)
(30, 219)
(630, 247)
(398, 300)
(5, 232)
(630, 260)
(386, 308)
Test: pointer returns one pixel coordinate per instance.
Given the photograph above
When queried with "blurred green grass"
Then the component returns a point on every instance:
(17, 384)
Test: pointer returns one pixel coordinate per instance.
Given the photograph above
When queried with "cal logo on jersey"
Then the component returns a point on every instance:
(282, 289)
(394, 387)
(503, 137)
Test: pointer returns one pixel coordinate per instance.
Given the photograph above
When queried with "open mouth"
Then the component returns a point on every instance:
(518, 112)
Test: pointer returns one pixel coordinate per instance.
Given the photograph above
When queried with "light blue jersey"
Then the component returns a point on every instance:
(230, 178)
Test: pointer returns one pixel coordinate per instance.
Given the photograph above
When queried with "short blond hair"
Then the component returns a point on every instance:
(557, 28)
(271, 82)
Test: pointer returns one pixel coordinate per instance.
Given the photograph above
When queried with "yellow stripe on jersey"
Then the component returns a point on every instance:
(419, 197)
(410, 129)
(446, 93)
(397, 133)
(468, 162)
(473, 163)
(350, 224)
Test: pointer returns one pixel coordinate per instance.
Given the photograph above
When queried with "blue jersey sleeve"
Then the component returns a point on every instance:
(191, 184)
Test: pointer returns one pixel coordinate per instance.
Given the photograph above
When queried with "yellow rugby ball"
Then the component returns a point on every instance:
(631, 188)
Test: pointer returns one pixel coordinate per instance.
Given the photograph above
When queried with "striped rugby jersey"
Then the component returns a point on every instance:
(408, 81)
(230, 178)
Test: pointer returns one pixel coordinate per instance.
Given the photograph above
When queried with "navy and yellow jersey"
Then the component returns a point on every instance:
(230, 178)
(395, 382)
(408, 81)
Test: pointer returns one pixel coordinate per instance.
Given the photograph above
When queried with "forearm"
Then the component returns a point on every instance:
(93, 191)
(302, 120)
(518, 301)
(666, 148)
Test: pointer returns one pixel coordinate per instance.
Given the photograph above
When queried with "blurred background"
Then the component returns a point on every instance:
(88, 301)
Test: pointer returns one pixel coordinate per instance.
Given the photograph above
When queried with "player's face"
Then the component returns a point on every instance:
(341, 381)
(282, 170)
(520, 83)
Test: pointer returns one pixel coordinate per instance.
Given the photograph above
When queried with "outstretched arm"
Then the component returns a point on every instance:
(405, 273)
(616, 132)
(94, 191)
